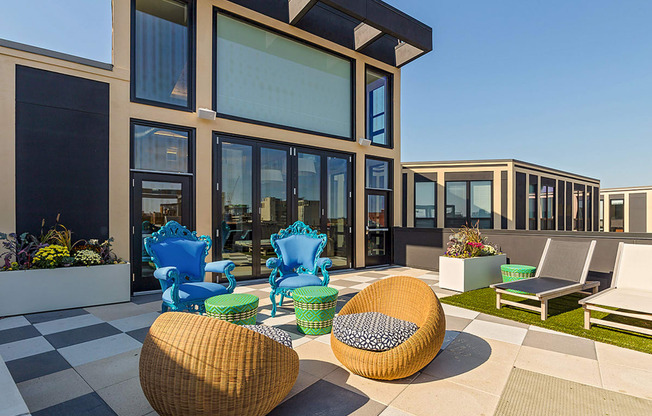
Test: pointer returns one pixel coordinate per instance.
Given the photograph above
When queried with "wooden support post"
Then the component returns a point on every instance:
(498, 302)
(587, 317)
(544, 309)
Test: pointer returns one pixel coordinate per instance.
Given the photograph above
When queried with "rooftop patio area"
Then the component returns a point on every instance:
(85, 361)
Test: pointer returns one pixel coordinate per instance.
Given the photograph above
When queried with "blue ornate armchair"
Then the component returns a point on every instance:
(297, 249)
(180, 267)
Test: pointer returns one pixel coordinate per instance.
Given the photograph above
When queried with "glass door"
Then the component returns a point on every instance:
(309, 181)
(157, 199)
(274, 207)
(338, 226)
(377, 228)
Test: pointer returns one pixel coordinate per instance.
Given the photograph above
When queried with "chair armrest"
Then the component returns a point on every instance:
(168, 274)
(273, 262)
(323, 263)
(225, 267)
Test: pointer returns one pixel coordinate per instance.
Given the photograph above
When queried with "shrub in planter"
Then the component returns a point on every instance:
(52, 256)
(87, 258)
(468, 242)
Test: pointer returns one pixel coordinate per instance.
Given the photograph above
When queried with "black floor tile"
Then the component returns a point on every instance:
(323, 398)
(140, 299)
(79, 335)
(138, 334)
(37, 318)
(17, 334)
(87, 405)
(37, 365)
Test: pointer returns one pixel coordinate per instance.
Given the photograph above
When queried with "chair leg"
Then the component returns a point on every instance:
(272, 296)
(498, 299)
(587, 318)
(544, 309)
(164, 308)
(281, 301)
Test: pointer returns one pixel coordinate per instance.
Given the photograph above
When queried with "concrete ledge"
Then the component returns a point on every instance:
(11, 402)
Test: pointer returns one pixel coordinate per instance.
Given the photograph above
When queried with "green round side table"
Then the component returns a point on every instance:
(314, 307)
(237, 308)
(513, 272)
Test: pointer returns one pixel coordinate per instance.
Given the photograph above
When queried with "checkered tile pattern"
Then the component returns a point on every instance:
(85, 361)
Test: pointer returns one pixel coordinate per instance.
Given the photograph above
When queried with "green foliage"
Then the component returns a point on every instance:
(468, 242)
(87, 258)
(564, 315)
(52, 256)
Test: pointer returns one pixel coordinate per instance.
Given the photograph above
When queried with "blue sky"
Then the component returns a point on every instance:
(566, 84)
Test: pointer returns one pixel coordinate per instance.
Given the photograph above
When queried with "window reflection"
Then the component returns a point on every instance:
(377, 84)
(424, 202)
(273, 199)
(547, 205)
(161, 53)
(617, 215)
(309, 192)
(377, 174)
(337, 247)
(160, 149)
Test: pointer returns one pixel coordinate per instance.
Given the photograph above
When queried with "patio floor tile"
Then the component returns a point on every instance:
(568, 367)
(17, 334)
(135, 322)
(126, 398)
(324, 398)
(118, 311)
(456, 311)
(316, 358)
(580, 347)
(361, 286)
(79, 335)
(53, 389)
(499, 320)
(473, 362)
(392, 411)
(611, 354)
(37, 318)
(36, 366)
(499, 332)
(142, 299)
(304, 380)
(97, 349)
(628, 380)
(138, 334)
(65, 324)
(13, 322)
(380, 391)
(428, 396)
(454, 323)
(88, 404)
(448, 338)
(108, 371)
(24, 348)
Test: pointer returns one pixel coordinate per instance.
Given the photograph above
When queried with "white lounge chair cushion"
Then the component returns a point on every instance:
(372, 331)
(634, 300)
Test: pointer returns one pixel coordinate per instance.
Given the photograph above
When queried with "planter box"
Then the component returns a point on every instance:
(28, 291)
(462, 275)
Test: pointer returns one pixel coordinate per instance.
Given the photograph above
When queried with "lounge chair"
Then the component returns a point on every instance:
(562, 270)
(631, 290)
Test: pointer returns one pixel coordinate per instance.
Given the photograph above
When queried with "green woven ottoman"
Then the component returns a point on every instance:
(314, 307)
(237, 308)
(513, 272)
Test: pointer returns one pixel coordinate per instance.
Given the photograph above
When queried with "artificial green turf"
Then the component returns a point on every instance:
(564, 315)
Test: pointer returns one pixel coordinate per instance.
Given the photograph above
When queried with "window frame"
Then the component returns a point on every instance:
(544, 204)
(192, 59)
(148, 123)
(469, 219)
(389, 108)
(217, 11)
(422, 179)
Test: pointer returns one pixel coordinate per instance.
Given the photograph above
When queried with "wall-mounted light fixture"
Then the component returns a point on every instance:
(364, 142)
(206, 113)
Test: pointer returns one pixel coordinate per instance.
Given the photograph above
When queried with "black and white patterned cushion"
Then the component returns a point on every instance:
(372, 331)
(271, 332)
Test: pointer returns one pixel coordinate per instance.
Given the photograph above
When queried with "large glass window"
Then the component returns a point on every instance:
(162, 69)
(469, 203)
(160, 149)
(578, 208)
(532, 203)
(424, 202)
(547, 199)
(601, 214)
(269, 78)
(378, 107)
(617, 215)
(377, 174)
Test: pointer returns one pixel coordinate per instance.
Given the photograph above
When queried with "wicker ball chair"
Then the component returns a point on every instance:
(405, 298)
(197, 365)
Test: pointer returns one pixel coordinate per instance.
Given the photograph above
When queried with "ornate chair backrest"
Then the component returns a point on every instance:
(175, 245)
(298, 247)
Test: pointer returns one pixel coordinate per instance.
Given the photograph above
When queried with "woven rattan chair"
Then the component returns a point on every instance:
(195, 365)
(405, 298)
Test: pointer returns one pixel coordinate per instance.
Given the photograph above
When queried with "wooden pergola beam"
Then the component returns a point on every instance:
(365, 34)
(406, 53)
(299, 8)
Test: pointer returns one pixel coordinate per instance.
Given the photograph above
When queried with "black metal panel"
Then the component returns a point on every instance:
(405, 198)
(382, 49)
(277, 9)
(638, 212)
(561, 198)
(569, 206)
(62, 152)
(521, 200)
(330, 24)
(503, 199)
(469, 176)
(596, 208)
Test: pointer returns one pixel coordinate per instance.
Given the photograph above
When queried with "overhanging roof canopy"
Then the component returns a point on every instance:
(371, 27)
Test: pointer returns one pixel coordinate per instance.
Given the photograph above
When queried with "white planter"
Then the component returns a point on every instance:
(462, 275)
(28, 291)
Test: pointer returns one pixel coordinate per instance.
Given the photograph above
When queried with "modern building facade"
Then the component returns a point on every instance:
(502, 194)
(626, 209)
(235, 118)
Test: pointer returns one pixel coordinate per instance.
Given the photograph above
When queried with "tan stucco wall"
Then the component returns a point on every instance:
(122, 110)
